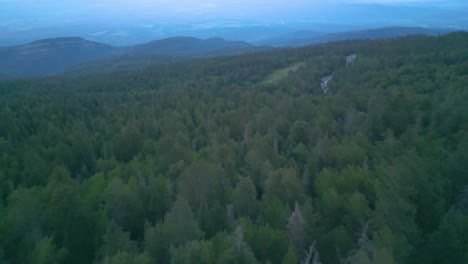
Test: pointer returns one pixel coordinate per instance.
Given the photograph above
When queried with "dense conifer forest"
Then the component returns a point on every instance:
(243, 159)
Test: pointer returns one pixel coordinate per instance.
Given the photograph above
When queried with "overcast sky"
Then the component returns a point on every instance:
(188, 10)
(125, 22)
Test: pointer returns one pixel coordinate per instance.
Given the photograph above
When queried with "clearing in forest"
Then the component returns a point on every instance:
(281, 74)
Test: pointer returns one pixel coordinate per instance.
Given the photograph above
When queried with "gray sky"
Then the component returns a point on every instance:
(167, 10)
(124, 22)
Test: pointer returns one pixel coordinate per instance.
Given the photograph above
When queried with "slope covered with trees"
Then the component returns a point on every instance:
(215, 161)
(378, 33)
(50, 56)
(54, 56)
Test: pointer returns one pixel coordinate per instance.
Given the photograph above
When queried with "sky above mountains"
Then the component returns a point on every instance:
(193, 10)
(125, 19)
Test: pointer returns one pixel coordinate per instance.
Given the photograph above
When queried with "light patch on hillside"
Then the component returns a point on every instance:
(281, 74)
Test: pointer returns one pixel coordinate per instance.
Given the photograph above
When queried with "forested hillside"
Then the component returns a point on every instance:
(80, 56)
(243, 159)
(50, 56)
(303, 38)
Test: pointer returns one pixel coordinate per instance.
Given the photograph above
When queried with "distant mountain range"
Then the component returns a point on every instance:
(304, 38)
(189, 47)
(52, 56)
(77, 55)
(162, 52)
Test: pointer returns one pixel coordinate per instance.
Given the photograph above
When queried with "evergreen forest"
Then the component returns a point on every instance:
(243, 159)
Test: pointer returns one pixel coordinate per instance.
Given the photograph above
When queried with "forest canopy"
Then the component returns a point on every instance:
(243, 159)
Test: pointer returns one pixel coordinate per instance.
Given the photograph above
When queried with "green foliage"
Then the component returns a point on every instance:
(245, 198)
(290, 257)
(194, 252)
(46, 252)
(180, 225)
(268, 244)
(212, 188)
(243, 159)
(127, 144)
(125, 257)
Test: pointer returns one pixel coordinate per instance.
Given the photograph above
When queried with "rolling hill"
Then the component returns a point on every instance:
(310, 37)
(73, 54)
(120, 63)
(189, 47)
(164, 51)
(52, 56)
(184, 48)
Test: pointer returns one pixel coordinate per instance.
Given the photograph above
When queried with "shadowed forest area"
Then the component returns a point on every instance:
(243, 159)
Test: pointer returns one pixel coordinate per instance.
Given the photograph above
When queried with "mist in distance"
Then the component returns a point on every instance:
(129, 22)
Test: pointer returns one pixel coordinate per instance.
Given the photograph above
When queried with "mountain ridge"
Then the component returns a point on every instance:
(373, 33)
(186, 46)
(55, 55)
(64, 54)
